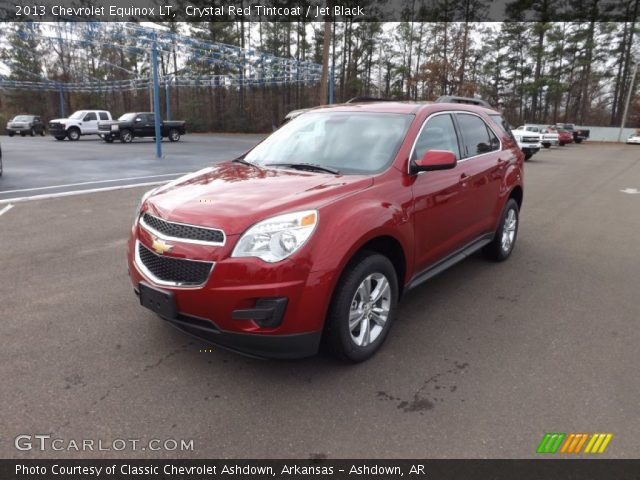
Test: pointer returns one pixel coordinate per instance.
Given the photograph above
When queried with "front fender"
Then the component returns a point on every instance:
(351, 225)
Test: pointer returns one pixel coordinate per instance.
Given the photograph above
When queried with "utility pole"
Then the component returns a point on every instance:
(325, 57)
(629, 95)
(156, 96)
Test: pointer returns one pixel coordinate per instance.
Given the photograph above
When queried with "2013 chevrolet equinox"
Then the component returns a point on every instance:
(318, 230)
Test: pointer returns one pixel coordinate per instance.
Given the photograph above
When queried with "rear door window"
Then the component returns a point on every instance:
(477, 137)
(104, 116)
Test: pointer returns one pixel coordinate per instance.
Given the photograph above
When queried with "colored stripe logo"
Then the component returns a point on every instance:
(573, 443)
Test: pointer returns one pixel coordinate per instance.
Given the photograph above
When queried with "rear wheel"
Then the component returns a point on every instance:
(22, 134)
(362, 308)
(126, 136)
(527, 156)
(73, 134)
(32, 132)
(505, 237)
(11, 134)
(546, 145)
(174, 135)
(59, 137)
(42, 132)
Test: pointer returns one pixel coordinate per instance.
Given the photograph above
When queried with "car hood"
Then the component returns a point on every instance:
(59, 120)
(233, 196)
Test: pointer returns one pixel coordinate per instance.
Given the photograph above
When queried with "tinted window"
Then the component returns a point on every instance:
(90, 116)
(504, 124)
(104, 116)
(438, 133)
(477, 137)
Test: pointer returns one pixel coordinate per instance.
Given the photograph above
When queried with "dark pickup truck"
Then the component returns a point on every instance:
(579, 134)
(139, 124)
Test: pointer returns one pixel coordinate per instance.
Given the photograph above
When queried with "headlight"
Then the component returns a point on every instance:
(142, 200)
(276, 238)
(114, 128)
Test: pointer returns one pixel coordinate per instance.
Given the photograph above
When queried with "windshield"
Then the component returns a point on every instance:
(127, 117)
(78, 114)
(351, 142)
(22, 118)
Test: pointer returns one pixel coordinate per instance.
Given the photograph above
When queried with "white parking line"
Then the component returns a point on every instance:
(6, 209)
(51, 187)
(47, 196)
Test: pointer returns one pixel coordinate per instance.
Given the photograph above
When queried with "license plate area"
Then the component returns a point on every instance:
(161, 302)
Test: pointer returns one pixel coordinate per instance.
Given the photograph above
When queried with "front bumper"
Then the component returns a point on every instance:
(18, 128)
(57, 130)
(229, 308)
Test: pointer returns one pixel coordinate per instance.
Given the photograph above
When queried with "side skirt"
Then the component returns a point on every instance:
(449, 261)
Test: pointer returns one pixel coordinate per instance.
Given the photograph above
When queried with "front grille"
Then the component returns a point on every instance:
(174, 270)
(530, 139)
(180, 230)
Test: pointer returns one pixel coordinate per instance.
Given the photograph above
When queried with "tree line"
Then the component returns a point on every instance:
(541, 72)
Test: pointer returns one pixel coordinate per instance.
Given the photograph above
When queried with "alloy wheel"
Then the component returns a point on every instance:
(369, 309)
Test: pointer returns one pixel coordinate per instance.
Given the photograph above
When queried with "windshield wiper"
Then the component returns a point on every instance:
(306, 166)
(242, 160)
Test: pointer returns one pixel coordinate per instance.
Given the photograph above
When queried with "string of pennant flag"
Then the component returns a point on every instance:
(244, 66)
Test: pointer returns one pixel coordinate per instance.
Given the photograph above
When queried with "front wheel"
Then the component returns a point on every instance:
(126, 136)
(22, 134)
(527, 156)
(11, 134)
(546, 145)
(59, 137)
(108, 138)
(42, 132)
(363, 307)
(174, 135)
(505, 237)
(73, 134)
(32, 132)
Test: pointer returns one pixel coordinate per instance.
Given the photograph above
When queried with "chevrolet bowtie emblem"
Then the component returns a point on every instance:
(160, 246)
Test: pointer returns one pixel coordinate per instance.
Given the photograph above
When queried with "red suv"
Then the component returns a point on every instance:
(317, 231)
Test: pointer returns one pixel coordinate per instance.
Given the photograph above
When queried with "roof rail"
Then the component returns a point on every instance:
(467, 100)
(366, 99)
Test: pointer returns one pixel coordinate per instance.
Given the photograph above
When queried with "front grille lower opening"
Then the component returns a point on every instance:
(174, 270)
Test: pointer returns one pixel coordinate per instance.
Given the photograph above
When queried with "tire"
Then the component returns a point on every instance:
(365, 336)
(174, 135)
(108, 138)
(22, 134)
(11, 134)
(546, 145)
(73, 134)
(42, 132)
(578, 140)
(126, 136)
(562, 144)
(527, 156)
(59, 137)
(32, 132)
(500, 248)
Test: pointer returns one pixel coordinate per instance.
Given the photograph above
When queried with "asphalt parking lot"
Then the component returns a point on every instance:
(485, 358)
(45, 166)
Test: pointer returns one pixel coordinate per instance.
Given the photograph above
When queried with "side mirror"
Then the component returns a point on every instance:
(435, 160)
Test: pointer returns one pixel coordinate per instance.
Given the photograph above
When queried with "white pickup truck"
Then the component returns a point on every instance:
(528, 141)
(82, 122)
(547, 138)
